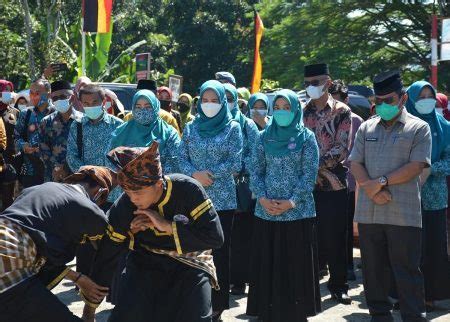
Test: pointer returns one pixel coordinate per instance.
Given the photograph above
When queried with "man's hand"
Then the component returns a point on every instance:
(88, 314)
(48, 72)
(91, 290)
(204, 177)
(371, 187)
(157, 220)
(382, 197)
(140, 223)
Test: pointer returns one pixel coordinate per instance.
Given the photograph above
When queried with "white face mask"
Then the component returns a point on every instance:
(426, 105)
(6, 97)
(440, 111)
(22, 107)
(315, 92)
(211, 109)
(62, 106)
(262, 113)
(231, 106)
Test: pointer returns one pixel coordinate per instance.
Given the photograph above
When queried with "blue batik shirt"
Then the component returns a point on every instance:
(33, 137)
(289, 177)
(220, 154)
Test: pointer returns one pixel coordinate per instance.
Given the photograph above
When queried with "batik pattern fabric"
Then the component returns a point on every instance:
(54, 132)
(435, 192)
(33, 137)
(18, 255)
(288, 177)
(332, 127)
(219, 154)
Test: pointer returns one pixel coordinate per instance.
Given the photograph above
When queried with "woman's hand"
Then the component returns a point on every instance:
(281, 206)
(91, 290)
(140, 223)
(268, 205)
(204, 177)
(157, 220)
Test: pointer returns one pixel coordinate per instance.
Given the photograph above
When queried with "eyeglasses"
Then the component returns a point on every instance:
(315, 82)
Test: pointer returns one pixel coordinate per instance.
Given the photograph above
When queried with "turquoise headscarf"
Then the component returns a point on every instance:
(438, 124)
(134, 134)
(210, 127)
(280, 141)
(235, 112)
(256, 97)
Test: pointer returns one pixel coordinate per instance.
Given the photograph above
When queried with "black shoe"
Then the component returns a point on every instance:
(342, 298)
(217, 316)
(396, 306)
(323, 273)
(429, 308)
(238, 289)
(351, 275)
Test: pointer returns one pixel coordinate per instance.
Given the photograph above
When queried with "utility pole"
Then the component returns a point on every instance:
(434, 51)
(29, 31)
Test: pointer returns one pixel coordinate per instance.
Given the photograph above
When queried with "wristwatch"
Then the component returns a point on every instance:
(383, 180)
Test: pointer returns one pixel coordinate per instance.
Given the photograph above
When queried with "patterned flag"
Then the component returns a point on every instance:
(97, 15)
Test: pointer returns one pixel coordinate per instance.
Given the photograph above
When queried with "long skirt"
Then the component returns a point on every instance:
(241, 245)
(159, 288)
(435, 264)
(284, 284)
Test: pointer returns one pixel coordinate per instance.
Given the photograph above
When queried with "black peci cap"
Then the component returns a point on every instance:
(149, 84)
(59, 85)
(316, 70)
(387, 82)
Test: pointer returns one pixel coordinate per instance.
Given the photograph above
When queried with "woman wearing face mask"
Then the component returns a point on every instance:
(436, 269)
(284, 284)
(21, 103)
(210, 152)
(165, 97)
(258, 105)
(184, 107)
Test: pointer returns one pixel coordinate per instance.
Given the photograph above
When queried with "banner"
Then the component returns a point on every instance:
(445, 38)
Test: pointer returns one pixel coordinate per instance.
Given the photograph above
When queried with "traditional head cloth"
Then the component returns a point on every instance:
(3, 84)
(138, 167)
(442, 99)
(316, 70)
(187, 96)
(258, 97)
(105, 178)
(134, 134)
(185, 116)
(437, 123)
(149, 84)
(59, 85)
(235, 112)
(226, 77)
(387, 82)
(115, 99)
(280, 141)
(209, 127)
(165, 89)
(243, 93)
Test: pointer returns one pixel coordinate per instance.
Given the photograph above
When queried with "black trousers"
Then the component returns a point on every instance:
(7, 194)
(396, 249)
(31, 301)
(221, 298)
(331, 209)
(241, 238)
(161, 289)
(350, 232)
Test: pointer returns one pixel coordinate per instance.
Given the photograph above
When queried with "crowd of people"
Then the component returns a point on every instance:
(170, 207)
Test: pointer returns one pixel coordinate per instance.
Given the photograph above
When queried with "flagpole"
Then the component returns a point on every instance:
(83, 49)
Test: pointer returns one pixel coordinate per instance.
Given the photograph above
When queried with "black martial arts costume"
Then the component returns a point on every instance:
(167, 277)
(58, 218)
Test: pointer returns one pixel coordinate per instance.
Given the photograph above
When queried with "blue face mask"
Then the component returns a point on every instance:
(283, 118)
(143, 116)
(43, 99)
(93, 112)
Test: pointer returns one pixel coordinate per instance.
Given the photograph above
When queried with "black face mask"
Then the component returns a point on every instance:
(165, 105)
(183, 107)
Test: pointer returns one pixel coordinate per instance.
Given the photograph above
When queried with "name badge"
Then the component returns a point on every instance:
(372, 139)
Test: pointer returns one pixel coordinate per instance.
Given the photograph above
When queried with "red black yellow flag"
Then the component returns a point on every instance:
(257, 64)
(97, 15)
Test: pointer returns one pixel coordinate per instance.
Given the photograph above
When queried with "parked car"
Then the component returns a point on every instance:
(124, 92)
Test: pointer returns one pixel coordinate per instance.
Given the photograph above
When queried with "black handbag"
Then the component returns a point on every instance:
(245, 200)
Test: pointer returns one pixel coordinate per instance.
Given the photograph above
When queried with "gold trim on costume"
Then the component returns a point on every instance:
(175, 236)
(201, 209)
(58, 278)
(131, 245)
(114, 236)
(167, 197)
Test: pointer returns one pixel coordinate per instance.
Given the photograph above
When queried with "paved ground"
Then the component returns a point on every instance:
(357, 312)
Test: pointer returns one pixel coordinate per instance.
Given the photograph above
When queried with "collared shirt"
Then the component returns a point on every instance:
(54, 131)
(332, 127)
(383, 150)
(32, 131)
(96, 140)
(221, 155)
(288, 177)
(356, 123)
